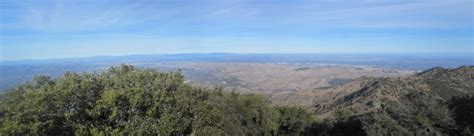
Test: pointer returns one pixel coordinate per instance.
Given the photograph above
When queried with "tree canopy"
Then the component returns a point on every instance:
(128, 101)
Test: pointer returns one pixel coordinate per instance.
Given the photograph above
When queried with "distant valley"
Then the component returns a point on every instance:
(257, 73)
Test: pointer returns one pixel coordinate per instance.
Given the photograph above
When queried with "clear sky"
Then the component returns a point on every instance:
(41, 29)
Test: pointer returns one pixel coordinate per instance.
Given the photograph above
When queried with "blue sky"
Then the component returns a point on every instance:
(33, 29)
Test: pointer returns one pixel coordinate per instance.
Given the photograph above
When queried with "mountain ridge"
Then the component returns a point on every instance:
(413, 105)
(444, 82)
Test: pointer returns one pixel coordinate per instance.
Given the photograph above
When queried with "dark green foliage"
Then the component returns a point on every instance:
(343, 114)
(129, 101)
(416, 113)
(335, 127)
(463, 110)
(294, 120)
(352, 126)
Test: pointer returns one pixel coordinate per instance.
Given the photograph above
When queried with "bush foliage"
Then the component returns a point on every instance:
(128, 101)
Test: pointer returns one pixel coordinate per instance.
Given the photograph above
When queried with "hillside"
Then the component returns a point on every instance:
(417, 103)
(371, 93)
(442, 82)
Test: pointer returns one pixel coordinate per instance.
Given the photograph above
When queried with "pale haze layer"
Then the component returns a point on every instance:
(32, 29)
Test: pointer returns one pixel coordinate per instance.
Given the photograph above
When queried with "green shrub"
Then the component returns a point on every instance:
(128, 101)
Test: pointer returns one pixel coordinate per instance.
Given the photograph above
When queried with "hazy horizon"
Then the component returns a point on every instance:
(467, 55)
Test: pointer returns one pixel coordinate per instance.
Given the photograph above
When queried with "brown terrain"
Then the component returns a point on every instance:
(268, 78)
